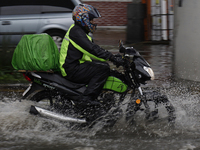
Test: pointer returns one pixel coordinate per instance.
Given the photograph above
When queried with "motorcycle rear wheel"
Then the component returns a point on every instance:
(53, 102)
(56, 103)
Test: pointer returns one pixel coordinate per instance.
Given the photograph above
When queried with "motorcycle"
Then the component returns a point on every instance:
(58, 98)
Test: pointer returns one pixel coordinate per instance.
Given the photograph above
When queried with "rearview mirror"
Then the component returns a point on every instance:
(122, 49)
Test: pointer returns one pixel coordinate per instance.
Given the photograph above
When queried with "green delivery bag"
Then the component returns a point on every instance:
(36, 52)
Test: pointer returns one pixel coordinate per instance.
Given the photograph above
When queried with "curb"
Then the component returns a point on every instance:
(111, 28)
(13, 85)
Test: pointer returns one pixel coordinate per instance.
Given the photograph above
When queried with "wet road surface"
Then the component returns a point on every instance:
(20, 130)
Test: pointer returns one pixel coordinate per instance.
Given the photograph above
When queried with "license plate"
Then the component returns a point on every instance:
(30, 85)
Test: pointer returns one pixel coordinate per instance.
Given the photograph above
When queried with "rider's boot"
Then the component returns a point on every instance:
(88, 101)
(91, 108)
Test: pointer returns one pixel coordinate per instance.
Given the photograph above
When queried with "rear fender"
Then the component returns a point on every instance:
(33, 87)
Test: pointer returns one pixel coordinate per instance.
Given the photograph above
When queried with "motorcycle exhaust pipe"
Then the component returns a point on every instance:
(43, 112)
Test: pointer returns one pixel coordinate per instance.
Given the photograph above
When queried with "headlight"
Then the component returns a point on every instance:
(150, 72)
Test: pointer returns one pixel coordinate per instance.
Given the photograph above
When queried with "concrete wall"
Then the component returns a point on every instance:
(187, 39)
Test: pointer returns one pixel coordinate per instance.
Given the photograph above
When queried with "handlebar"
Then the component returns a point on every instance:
(127, 50)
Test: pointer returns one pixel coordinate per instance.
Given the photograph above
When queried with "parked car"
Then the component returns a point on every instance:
(19, 19)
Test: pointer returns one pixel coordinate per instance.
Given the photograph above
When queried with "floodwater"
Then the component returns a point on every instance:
(21, 130)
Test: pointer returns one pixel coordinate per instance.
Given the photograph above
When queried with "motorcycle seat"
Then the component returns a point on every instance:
(57, 78)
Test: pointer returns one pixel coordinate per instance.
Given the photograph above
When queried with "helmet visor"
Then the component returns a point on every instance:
(94, 14)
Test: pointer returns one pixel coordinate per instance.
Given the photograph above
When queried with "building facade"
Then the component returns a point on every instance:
(113, 12)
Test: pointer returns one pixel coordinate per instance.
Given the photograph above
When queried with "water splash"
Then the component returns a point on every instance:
(18, 127)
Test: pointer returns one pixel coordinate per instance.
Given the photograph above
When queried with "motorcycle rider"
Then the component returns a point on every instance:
(83, 61)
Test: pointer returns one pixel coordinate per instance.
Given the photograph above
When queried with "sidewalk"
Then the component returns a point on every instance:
(109, 35)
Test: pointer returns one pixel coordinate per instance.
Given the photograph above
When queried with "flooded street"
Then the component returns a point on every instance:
(21, 130)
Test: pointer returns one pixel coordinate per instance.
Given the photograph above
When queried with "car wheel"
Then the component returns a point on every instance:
(57, 36)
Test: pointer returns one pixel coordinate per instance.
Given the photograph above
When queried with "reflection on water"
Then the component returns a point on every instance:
(20, 130)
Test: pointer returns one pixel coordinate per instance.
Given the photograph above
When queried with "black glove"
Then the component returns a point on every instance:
(117, 60)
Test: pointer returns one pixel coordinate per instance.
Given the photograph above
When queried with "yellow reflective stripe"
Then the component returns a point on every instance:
(84, 51)
(86, 57)
(66, 38)
(89, 37)
(63, 55)
(63, 51)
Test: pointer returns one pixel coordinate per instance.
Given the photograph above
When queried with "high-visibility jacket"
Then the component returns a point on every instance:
(77, 47)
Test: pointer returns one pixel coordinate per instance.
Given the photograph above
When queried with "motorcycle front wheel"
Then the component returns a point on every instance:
(154, 105)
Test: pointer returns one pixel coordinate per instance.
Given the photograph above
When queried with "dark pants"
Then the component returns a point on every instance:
(94, 74)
